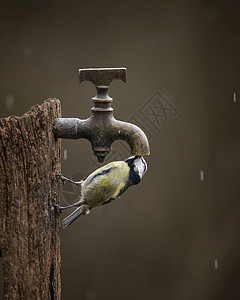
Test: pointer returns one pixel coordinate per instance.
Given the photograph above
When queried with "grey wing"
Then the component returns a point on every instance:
(120, 193)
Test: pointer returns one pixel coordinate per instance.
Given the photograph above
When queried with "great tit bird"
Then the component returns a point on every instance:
(104, 185)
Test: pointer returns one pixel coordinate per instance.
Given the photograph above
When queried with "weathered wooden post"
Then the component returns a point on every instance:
(29, 225)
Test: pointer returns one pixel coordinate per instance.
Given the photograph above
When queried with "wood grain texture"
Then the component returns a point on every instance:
(29, 225)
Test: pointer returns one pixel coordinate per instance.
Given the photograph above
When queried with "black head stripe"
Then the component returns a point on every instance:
(130, 160)
(145, 165)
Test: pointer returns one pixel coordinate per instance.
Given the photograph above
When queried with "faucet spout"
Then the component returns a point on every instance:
(133, 135)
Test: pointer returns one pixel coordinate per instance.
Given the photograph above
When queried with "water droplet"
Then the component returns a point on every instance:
(65, 154)
(234, 97)
(201, 175)
(9, 101)
(215, 264)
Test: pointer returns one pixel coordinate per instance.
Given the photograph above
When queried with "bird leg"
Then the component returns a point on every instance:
(77, 183)
(63, 178)
(76, 204)
(62, 207)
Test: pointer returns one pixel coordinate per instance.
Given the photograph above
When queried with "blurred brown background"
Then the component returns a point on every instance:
(176, 235)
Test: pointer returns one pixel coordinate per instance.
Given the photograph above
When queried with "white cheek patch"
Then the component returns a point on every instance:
(140, 166)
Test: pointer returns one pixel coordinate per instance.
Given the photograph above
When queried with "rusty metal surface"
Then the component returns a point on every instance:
(102, 76)
(101, 128)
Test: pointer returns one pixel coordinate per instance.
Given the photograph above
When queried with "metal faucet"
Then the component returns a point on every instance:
(101, 128)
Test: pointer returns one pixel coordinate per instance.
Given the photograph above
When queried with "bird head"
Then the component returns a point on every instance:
(138, 168)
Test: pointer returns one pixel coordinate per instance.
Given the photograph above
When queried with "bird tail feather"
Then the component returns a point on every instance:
(82, 210)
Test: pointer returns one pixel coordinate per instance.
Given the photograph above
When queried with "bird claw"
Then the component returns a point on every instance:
(59, 208)
(61, 177)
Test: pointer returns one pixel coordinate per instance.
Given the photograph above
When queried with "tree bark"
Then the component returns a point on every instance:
(29, 225)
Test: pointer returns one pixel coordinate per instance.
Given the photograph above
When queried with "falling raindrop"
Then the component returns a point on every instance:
(9, 101)
(215, 264)
(234, 97)
(201, 175)
(65, 154)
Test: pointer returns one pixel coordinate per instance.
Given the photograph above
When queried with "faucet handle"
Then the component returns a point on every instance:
(102, 77)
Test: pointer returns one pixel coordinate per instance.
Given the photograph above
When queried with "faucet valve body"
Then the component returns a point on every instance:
(101, 128)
